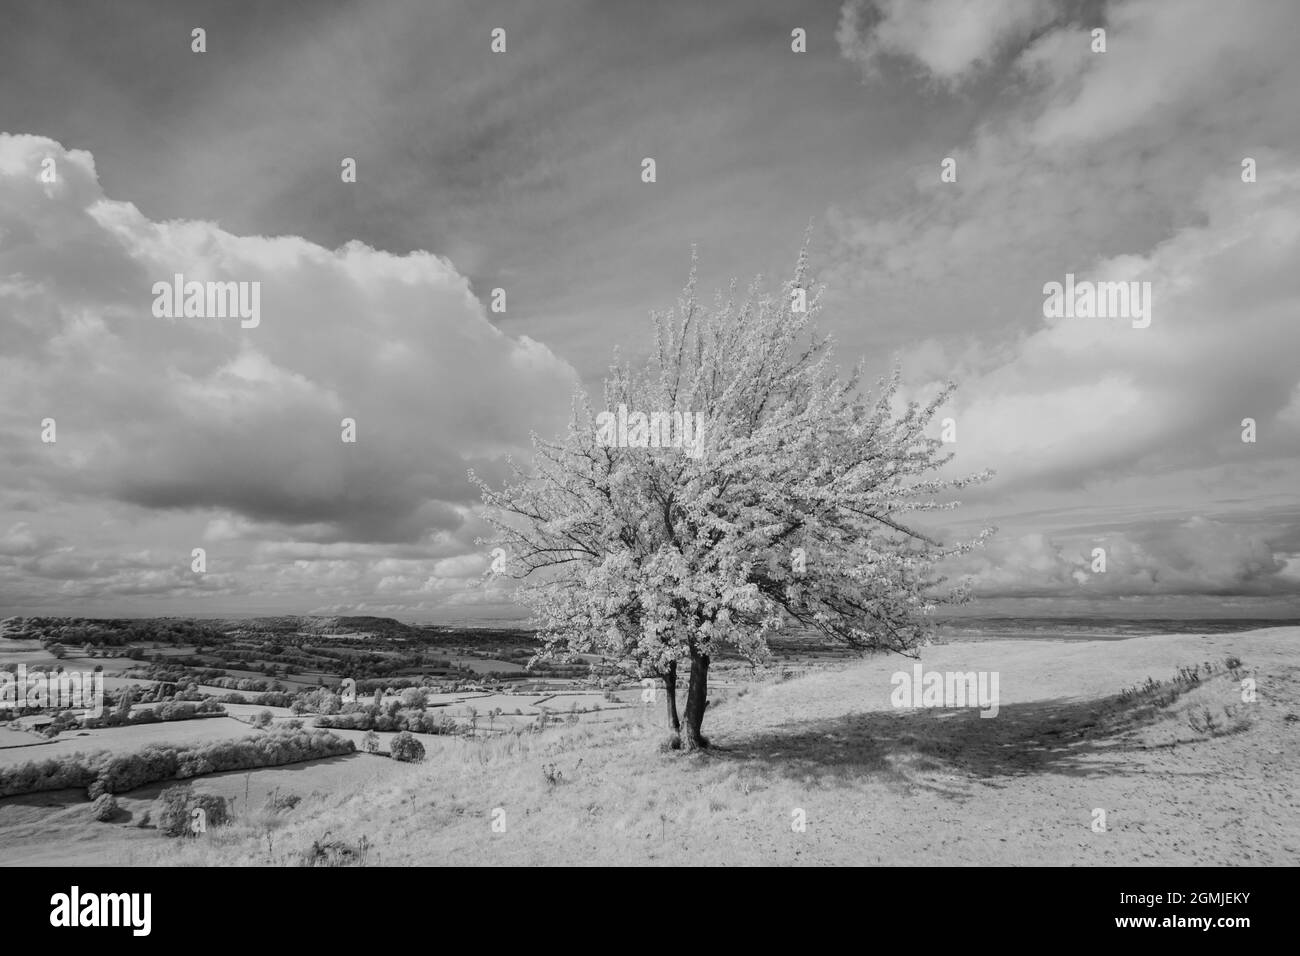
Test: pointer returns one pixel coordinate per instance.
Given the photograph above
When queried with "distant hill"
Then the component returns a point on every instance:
(80, 630)
(313, 624)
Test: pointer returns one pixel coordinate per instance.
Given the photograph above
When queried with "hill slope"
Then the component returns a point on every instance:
(877, 785)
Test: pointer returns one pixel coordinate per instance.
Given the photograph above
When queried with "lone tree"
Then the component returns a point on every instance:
(654, 545)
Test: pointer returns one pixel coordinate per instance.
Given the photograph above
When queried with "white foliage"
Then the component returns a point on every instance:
(648, 555)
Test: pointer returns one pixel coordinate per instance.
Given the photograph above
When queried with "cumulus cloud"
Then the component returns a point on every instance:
(201, 413)
(22, 539)
(180, 433)
(1082, 397)
(1117, 166)
(1166, 64)
(233, 432)
(1122, 166)
(949, 39)
(1196, 556)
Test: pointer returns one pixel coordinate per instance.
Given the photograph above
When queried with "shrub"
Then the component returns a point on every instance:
(193, 765)
(172, 808)
(49, 774)
(174, 710)
(370, 742)
(277, 802)
(176, 806)
(336, 853)
(406, 748)
(57, 726)
(104, 808)
(319, 701)
(424, 722)
(415, 721)
(127, 771)
(355, 720)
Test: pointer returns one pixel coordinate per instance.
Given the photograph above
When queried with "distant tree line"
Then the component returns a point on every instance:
(102, 773)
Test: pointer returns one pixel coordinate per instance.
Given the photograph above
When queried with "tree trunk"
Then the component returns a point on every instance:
(670, 688)
(697, 698)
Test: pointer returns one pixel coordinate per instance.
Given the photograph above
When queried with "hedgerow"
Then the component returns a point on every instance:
(102, 773)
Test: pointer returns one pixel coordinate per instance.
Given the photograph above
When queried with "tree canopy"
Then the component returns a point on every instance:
(788, 503)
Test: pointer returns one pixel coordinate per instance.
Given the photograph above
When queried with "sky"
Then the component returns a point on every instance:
(521, 170)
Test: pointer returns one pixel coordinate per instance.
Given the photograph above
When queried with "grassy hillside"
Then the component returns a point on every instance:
(877, 785)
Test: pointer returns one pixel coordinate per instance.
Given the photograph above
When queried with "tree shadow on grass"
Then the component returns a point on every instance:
(917, 748)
